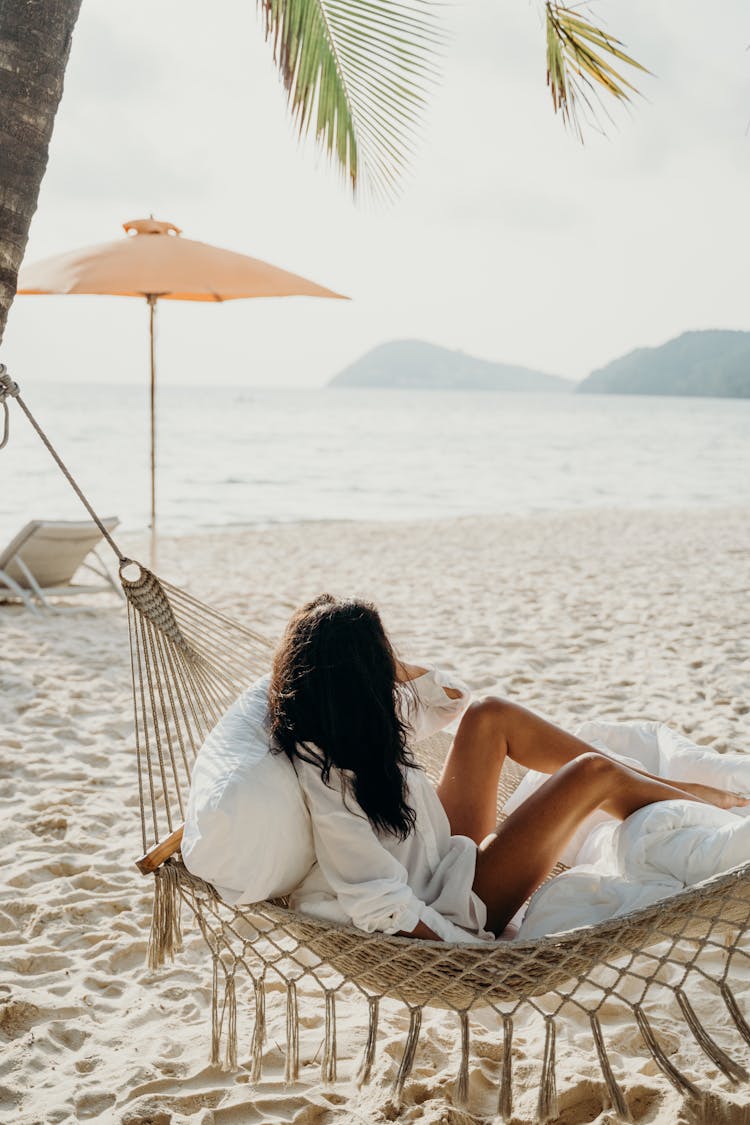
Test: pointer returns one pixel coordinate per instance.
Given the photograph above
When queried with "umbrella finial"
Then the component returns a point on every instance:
(150, 226)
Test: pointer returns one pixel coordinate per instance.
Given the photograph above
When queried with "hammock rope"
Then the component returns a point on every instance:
(9, 389)
(188, 664)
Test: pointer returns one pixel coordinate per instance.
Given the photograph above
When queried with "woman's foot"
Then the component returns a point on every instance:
(721, 798)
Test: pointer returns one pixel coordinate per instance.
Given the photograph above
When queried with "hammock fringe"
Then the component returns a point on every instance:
(230, 1011)
(616, 1096)
(547, 1103)
(291, 1069)
(675, 1076)
(165, 937)
(328, 1068)
(223, 1012)
(215, 1020)
(733, 1070)
(368, 1056)
(505, 1101)
(407, 1058)
(259, 1031)
(733, 1008)
(461, 1090)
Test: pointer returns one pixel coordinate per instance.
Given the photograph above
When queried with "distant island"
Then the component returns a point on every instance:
(713, 364)
(417, 365)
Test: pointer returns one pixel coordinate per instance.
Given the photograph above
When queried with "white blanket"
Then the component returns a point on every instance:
(617, 866)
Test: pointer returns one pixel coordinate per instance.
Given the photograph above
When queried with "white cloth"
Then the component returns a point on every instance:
(660, 849)
(373, 879)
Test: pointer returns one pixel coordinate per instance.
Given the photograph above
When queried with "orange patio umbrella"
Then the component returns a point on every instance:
(154, 262)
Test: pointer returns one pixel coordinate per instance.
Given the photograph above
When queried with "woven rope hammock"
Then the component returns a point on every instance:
(189, 663)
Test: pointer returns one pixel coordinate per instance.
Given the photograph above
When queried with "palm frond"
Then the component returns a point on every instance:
(580, 68)
(357, 73)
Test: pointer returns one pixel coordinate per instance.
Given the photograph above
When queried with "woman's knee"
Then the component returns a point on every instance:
(488, 716)
(593, 769)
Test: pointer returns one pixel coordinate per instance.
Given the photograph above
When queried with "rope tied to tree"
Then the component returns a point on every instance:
(8, 389)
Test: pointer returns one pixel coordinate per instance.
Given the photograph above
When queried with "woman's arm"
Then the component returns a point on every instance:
(407, 672)
(430, 699)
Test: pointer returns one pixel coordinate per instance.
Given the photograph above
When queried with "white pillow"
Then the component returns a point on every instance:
(247, 828)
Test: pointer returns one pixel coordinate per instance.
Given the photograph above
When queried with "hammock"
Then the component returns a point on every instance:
(189, 662)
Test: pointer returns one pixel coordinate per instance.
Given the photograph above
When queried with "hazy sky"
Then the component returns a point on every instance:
(510, 239)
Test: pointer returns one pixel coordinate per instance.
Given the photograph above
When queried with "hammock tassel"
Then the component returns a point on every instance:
(215, 1020)
(616, 1096)
(407, 1059)
(291, 1069)
(329, 1050)
(461, 1089)
(734, 1010)
(230, 1010)
(368, 1058)
(733, 1070)
(259, 1031)
(165, 937)
(505, 1102)
(547, 1103)
(707, 1110)
(675, 1076)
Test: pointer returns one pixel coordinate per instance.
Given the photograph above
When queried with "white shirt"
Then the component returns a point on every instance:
(373, 879)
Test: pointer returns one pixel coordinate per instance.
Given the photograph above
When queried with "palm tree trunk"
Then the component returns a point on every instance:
(35, 39)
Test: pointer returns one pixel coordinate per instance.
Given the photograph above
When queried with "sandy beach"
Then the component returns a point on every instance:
(606, 613)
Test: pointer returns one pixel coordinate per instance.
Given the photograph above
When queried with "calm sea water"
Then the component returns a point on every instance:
(229, 456)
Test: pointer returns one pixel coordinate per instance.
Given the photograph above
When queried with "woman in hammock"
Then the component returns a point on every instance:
(393, 853)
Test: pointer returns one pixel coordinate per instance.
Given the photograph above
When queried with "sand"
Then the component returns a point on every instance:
(617, 614)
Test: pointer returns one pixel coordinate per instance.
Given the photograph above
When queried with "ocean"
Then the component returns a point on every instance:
(233, 457)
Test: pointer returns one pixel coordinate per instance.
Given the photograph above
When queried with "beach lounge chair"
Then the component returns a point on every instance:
(42, 560)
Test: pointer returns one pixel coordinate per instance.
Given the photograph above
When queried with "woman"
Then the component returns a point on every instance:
(393, 853)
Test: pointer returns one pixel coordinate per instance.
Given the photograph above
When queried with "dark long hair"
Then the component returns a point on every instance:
(333, 702)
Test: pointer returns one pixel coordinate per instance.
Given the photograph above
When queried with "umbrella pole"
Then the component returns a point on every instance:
(151, 319)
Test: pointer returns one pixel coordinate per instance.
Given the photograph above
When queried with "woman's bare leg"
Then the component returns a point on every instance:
(471, 772)
(514, 859)
(493, 729)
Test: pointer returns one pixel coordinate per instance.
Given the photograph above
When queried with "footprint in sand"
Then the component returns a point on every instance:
(88, 882)
(66, 1036)
(131, 957)
(169, 1068)
(147, 1116)
(85, 1066)
(93, 1104)
(17, 1017)
(7, 924)
(54, 826)
(37, 963)
(102, 986)
(45, 873)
